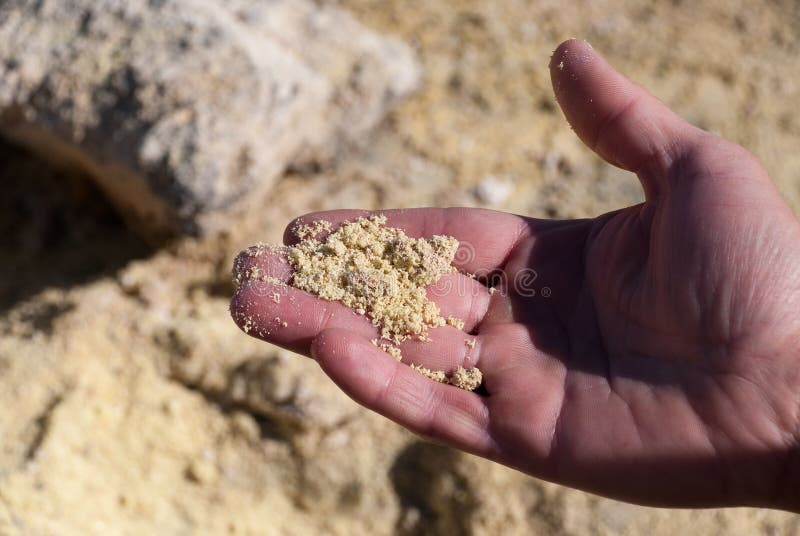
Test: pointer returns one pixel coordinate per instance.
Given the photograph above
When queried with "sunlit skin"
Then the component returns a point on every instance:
(664, 366)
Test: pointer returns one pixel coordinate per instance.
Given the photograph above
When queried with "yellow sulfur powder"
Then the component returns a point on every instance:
(378, 271)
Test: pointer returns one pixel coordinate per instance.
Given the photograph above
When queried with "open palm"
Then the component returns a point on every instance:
(653, 358)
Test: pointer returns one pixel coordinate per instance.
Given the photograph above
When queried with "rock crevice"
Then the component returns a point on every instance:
(183, 110)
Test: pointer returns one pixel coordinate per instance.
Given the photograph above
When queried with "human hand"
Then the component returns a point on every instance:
(663, 368)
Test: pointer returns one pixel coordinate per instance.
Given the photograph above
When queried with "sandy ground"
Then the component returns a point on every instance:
(131, 404)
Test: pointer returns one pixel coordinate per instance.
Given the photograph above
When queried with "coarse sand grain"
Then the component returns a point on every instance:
(393, 351)
(466, 378)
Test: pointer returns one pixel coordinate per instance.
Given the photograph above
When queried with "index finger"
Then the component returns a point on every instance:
(486, 237)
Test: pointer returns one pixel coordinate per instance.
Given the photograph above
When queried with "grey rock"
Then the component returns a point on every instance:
(182, 110)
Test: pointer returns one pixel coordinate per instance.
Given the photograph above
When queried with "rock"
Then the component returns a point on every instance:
(181, 110)
(494, 190)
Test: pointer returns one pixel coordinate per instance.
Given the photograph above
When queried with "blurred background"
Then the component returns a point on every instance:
(131, 404)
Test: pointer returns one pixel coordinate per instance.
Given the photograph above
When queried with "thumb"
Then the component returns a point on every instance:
(616, 118)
